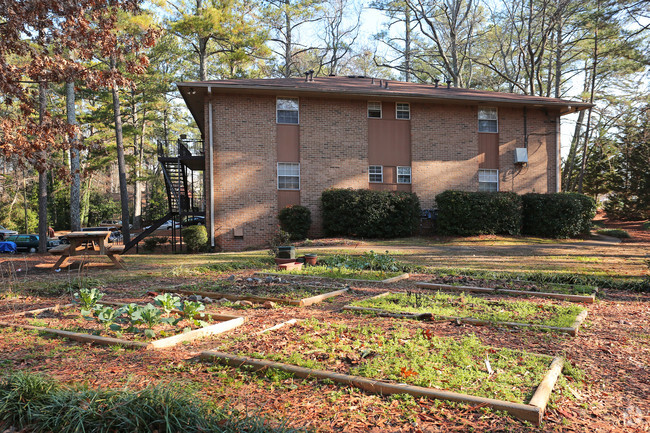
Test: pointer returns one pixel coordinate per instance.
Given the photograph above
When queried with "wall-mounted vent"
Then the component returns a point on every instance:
(521, 155)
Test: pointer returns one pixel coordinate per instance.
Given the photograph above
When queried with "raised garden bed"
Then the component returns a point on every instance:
(501, 283)
(403, 361)
(71, 321)
(512, 292)
(473, 310)
(345, 275)
(300, 295)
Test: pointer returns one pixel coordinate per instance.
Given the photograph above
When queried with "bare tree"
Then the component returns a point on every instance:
(339, 37)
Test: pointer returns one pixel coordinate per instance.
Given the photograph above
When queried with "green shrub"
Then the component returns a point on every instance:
(557, 215)
(196, 238)
(646, 225)
(369, 214)
(151, 243)
(474, 213)
(617, 233)
(295, 220)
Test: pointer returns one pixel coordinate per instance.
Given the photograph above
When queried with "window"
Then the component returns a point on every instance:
(287, 110)
(375, 174)
(488, 180)
(403, 174)
(374, 109)
(289, 175)
(403, 111)
(488, 119)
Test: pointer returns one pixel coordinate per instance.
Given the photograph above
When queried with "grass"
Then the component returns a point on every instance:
(38, 402)
(283, 291)
(341, 273)
(467, 306)
(412, 356)
(616, 233)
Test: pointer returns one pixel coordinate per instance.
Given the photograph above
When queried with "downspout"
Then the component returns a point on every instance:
(211, 171)
(558, 155)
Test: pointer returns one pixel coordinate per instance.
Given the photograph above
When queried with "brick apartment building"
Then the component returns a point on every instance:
(269, 143)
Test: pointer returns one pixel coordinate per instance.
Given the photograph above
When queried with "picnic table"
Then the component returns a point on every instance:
(87, 243)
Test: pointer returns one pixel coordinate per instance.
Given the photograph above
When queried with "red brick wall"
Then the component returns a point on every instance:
(334, 154)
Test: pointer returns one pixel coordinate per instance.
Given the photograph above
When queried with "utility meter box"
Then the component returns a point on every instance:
(521, 155)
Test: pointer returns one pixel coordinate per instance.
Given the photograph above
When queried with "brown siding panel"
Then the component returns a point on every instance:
(288, 198)
(488, 150)
(389, 142)
(288, 141)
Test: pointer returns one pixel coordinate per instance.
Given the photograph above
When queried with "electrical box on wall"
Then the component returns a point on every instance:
(521, 155)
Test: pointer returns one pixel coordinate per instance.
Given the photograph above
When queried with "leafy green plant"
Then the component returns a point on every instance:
(150, 316)
(107, 315)
(557, 215)
(191, 309)
(295, 220)
(167, 302)
(88, 299)
(646, 225)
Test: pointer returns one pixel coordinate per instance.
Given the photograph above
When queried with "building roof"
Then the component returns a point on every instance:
(357, 87)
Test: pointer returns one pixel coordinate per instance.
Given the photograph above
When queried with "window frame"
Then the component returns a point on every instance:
(278, 175)
(410, 174)
(277, 111)
(485, 119)
(381, 112)
(397, 110)
(485, 172)
(381, 173)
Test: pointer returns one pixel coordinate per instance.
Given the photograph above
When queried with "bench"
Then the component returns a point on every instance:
(59, 250)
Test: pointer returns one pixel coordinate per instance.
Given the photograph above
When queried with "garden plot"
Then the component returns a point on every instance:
(258, 290)
(474, 310)
(369, 266)
(401, 360)
(531, 291)
(130, 325)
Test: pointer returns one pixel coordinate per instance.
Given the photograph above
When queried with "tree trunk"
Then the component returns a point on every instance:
(42, 177)
(75, 186)
(287, 47)
(407, 44)
(592, 91)
(121, 164)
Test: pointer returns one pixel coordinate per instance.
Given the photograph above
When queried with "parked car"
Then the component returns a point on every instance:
(29, 243)
(6, 232)
(115, 236)
(113, 223)
(167, 225)
(193, 221)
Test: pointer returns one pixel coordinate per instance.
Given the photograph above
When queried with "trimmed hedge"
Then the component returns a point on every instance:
(295, 220)
(475, 213)
(557, 215)
(369, 214)
(196, 238)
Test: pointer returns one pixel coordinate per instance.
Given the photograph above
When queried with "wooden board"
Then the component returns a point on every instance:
(260, 299)
(527, 412)
(571, 298)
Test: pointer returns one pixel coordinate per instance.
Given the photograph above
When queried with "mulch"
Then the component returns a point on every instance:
(613, 350)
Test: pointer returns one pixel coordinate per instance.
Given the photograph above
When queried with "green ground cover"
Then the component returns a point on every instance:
(341, 273)
(467, 306)
(403, 354)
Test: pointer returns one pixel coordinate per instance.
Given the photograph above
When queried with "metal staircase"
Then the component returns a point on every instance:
(177, 163)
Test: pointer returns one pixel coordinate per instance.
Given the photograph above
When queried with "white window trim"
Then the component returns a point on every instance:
(278, 176)
(496, 120)
(488, 169)
(276, 111)
(406, 103)
(381, 173)
(410, 174)
(381, 110)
